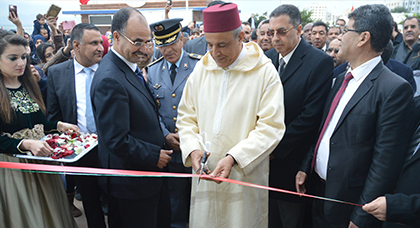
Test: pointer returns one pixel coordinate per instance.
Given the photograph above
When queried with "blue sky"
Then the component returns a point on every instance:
(28, 9)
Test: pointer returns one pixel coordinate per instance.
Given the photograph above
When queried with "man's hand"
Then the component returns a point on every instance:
(60, 27)
(16, 21)
(172, 141)
(164, 158)
(52, 23)
(196, 157)
(300, 182)
(35, 73)
(67, 127)
(223, 168)
(67, 48)
(377, 208)
(167, 9)
(351, 225)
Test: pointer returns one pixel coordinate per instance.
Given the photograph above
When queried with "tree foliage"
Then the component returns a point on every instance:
(259, 18)
(306, 17)
(399, 9)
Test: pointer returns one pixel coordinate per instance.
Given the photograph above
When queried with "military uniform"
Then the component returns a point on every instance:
(167, 91)
(167, 95)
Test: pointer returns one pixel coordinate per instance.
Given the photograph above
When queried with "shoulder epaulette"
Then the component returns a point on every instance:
(195, 56)
(157, 60)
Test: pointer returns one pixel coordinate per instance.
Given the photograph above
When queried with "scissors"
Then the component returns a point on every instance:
(206, 145)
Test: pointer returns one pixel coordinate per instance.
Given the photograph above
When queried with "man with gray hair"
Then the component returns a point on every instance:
(263, 40)
(240, 133)
(306, 74)
(366, 127)
(127, 122)
(411, 32)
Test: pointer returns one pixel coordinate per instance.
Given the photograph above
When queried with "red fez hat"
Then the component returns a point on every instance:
(221, 18)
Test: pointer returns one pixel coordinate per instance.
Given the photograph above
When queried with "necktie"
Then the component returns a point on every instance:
(173, 73)
(334, 104)
(90, 121)
(281, 66)
(140, 75)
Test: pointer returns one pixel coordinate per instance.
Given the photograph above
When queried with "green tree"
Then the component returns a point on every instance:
(399, 9)
(306, 17)
(259, 18)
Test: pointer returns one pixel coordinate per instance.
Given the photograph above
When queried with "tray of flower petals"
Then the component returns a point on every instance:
(67, 148)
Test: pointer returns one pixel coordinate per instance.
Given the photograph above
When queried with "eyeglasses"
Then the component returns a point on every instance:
(280, 31)
(329, 50)
(345, 30)
(147, 44)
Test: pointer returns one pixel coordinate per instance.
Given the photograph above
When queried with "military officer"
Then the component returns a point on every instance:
(167, 77)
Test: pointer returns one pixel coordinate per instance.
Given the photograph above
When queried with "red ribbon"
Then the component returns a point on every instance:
(119, 172)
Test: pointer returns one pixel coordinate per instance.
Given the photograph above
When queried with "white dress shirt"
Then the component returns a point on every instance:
(359, 75)
(80, 85)
(133, 66)
(288, 56)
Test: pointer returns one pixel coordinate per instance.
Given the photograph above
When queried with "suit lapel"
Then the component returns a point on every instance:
(330, 98)
(412, 160)
(360, 92)
(415, 140)
(132, 78)
(294, 62)
(71, 94)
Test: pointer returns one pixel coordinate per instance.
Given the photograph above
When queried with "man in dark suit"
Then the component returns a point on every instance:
(128, 128)
(411, 32)
(403, 206)
(68, 94)
(251, 22)
(367, 122)
(197, 46)
(306, 76)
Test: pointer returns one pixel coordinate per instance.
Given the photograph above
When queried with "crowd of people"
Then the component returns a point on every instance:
(324, 110)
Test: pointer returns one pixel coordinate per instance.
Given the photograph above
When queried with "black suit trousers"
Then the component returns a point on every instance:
(91, 191)
(154, 211)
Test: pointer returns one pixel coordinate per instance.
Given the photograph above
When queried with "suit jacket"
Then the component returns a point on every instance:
(62, 104)
(168, 95)
(196, 46)
(306, 83)
(397, 67)
(128, 128)
(404, 205)
(400, 52)
(398, 39)
(365, 157)
(412, 59)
